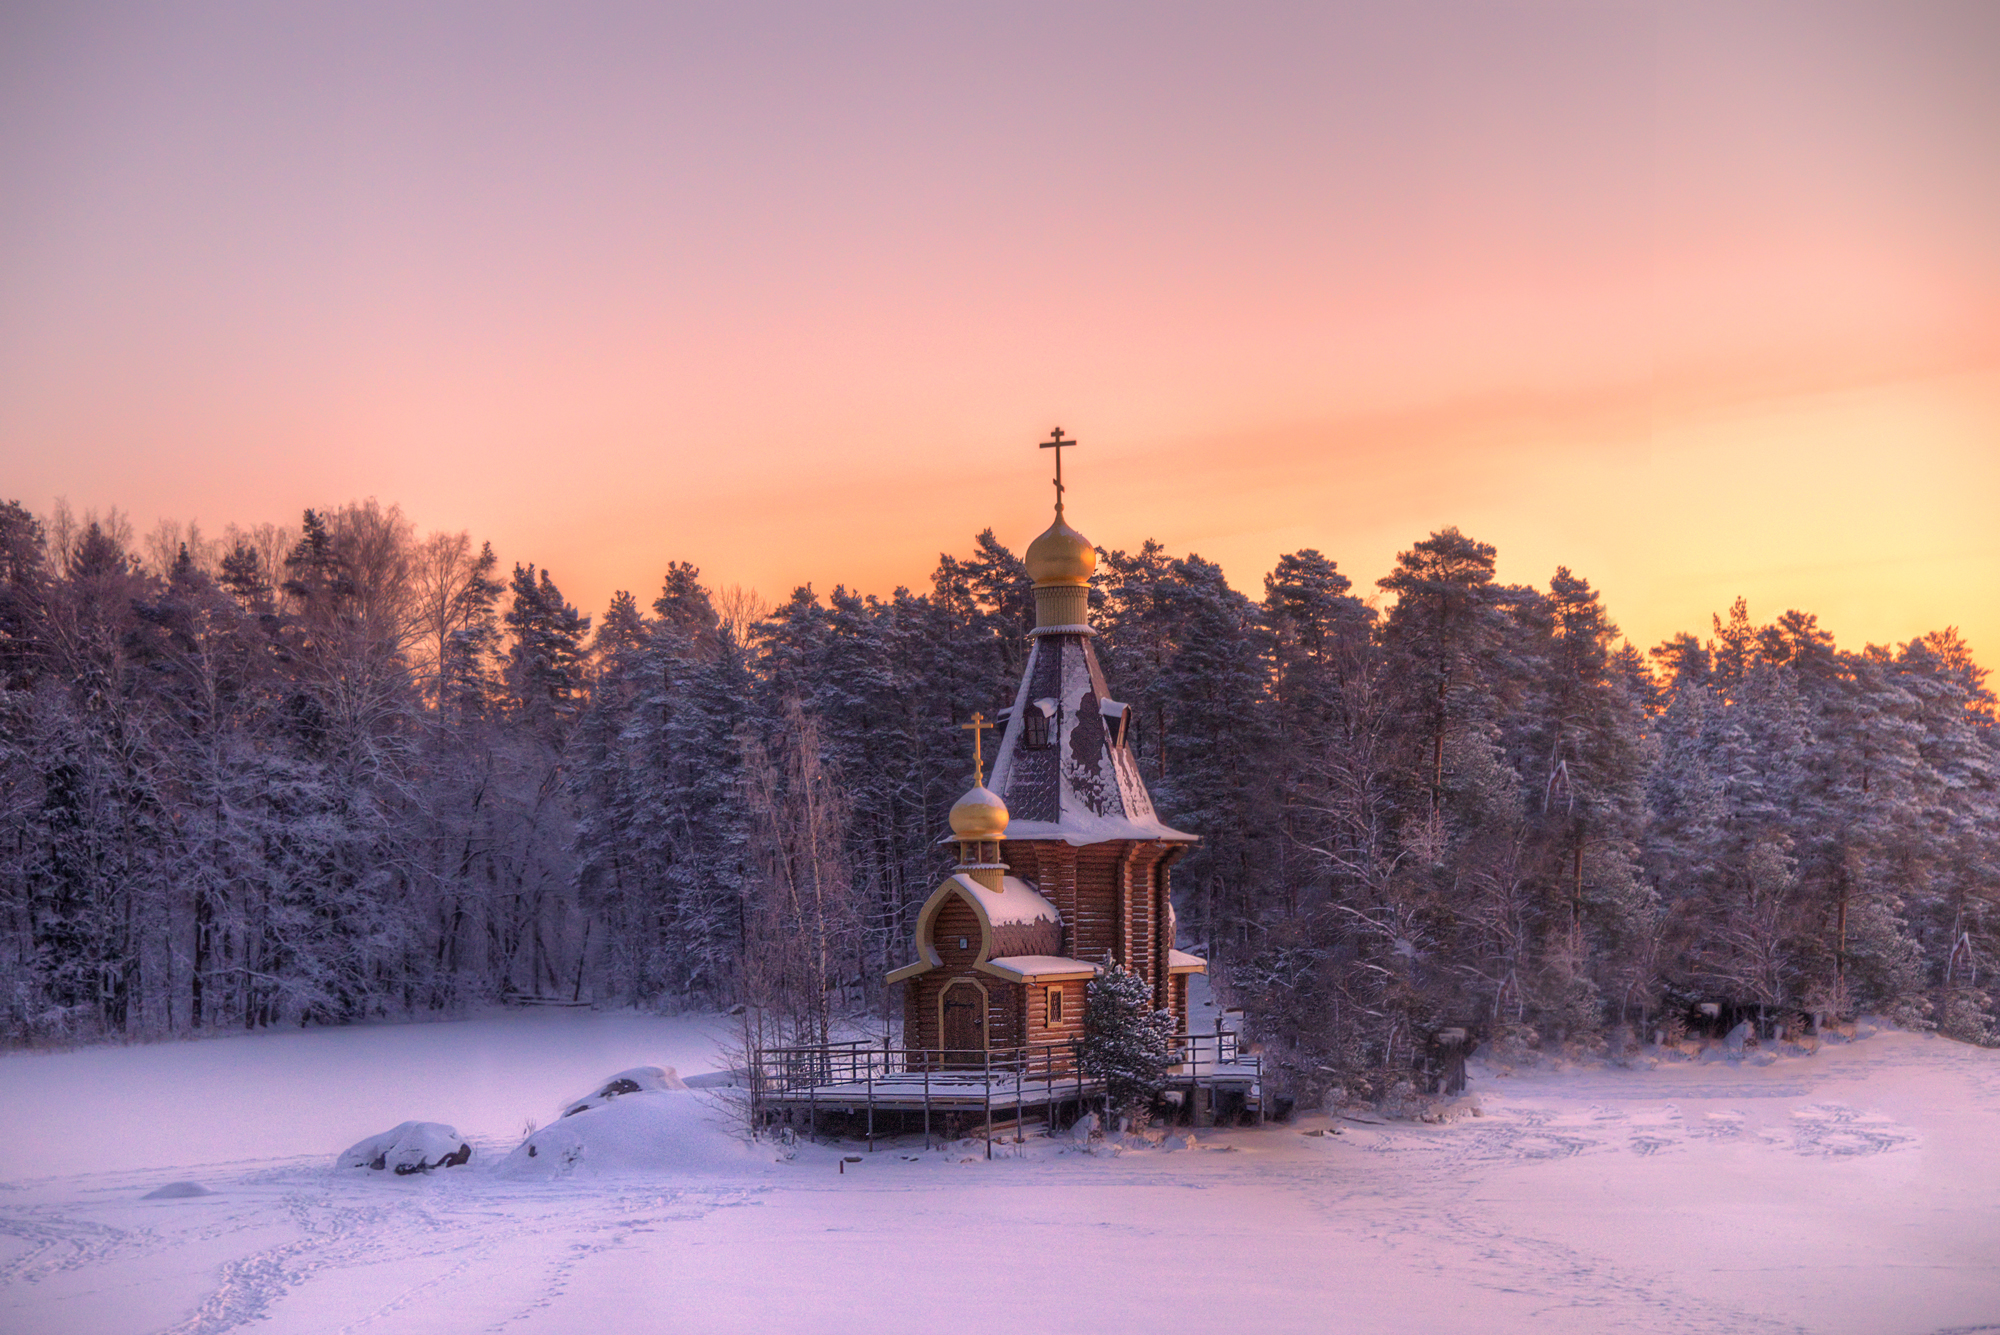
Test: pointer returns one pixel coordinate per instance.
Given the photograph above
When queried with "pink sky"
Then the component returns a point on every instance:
(1698, 300)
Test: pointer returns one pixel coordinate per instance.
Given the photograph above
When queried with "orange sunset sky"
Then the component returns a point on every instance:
(1699, 299)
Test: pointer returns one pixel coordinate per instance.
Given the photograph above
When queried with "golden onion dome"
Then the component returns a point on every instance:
(979, 816)
(1061, 556)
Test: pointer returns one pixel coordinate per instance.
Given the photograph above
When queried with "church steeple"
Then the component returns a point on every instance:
(1065, 768)
(1063, 865)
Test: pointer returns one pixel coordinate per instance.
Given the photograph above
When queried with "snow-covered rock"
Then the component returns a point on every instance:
(412, 1147)
(638, 1080)
(648, 1131)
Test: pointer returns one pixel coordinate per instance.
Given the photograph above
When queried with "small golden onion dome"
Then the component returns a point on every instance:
(1061, 556)
(979, 815)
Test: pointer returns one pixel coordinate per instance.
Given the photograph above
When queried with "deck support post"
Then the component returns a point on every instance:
(1049, 1092)
(927, 1101)
(988, 1083)
(1076, 1064)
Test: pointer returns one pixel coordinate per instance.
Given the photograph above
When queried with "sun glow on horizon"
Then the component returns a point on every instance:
(1698, 299)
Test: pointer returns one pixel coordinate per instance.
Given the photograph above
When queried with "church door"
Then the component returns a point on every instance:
(964, 1027)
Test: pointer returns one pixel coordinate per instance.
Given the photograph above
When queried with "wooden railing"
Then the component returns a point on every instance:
(958, 1080)
(968, 1079)
(776, 1072)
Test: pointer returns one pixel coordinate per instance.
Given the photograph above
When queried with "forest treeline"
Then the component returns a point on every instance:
(342, 771)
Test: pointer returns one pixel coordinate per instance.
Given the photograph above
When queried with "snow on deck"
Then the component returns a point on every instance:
(947, 1090)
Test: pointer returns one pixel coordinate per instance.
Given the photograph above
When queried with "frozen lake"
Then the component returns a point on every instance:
(1855, 1190)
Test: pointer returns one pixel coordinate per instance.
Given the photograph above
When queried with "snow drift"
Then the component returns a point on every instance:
(649, 1131)
(177, 1191)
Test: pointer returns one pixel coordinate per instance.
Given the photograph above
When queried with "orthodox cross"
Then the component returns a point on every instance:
(1056, 442)
(977, 727)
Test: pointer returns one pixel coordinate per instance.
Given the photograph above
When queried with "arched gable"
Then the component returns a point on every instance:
(1012, 921)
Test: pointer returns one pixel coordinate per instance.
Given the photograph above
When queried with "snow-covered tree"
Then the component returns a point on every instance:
(1126, 1042)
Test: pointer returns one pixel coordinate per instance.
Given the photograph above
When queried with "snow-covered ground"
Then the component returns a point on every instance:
(1854, 1190)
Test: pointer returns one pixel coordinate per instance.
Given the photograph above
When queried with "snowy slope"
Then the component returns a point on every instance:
(1857, 1190)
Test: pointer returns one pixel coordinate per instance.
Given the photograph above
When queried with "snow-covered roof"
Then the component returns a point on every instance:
(1179, 961)
(1085, 829)
(1015, 921)
(1080, 787)
(1016, 903)
(1039, 968)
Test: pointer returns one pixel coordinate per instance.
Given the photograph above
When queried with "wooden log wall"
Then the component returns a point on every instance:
(1052, 868)
(1040, 1028)
(1163, 912)
(1097, 894)
(1115, 899)
(1005, 1005)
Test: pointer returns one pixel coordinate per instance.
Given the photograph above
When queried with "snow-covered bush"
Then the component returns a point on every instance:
(1967, 1015)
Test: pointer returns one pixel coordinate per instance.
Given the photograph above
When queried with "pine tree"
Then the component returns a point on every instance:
(24, 580)
(545, 666)
(1440, 637)
(1126, 1043)
(1575, 738)
(1216, 777)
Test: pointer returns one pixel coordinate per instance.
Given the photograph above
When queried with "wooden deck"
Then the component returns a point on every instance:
(1005, 1085)
(945, 1091)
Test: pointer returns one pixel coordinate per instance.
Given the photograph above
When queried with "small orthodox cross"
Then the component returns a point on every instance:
(977, 727)
(1056, 442)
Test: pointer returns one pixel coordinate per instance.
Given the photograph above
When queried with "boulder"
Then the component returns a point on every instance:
(412, 1147)
(638, 1080)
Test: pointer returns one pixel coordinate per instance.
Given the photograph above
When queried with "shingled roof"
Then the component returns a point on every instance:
(1081, 786)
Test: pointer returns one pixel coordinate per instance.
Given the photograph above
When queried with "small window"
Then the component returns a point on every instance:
(1035, 730)
(1055, 1006)
(961, 943)
(1118, 719)
(1037, 724)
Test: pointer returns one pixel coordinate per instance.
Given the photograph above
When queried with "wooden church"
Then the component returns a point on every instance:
(1063, 865)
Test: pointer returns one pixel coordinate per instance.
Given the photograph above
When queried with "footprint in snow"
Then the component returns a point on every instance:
(1838, 1131)
(1721, 1126)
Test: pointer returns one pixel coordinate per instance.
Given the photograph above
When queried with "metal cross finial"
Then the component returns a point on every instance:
(1056, 442)
(977, 728)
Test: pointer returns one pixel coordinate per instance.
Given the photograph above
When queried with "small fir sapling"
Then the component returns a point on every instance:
(1126, 1042)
